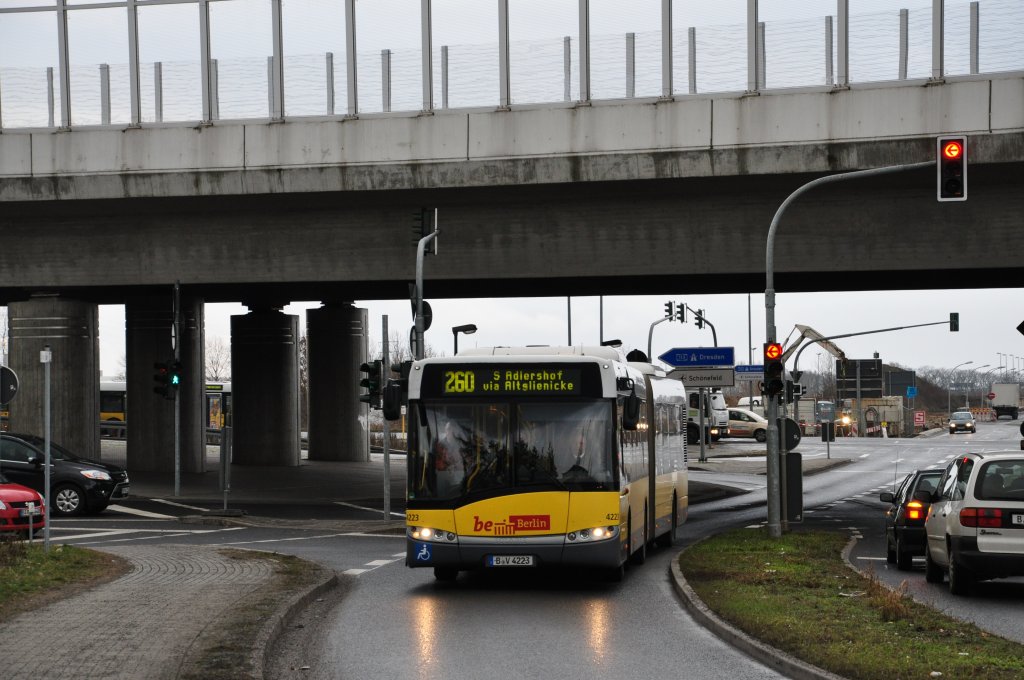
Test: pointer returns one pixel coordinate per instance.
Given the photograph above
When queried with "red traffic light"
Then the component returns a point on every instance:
(772, 351)
(952, 150)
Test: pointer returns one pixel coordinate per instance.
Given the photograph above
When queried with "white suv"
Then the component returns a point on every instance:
(975, 526)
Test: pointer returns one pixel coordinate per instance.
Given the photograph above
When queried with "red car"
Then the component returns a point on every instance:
(20, 506)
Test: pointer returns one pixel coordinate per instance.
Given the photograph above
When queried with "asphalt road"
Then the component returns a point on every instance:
(397, 622)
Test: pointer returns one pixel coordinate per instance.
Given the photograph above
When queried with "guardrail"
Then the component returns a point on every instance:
(92, 72)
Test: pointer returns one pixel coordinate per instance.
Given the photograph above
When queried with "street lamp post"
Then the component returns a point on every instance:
(949, 387)
(983, 389)
(468, 329)
(967, 389)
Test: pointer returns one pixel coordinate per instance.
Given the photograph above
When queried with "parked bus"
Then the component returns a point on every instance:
(530, 457)
(114, 408)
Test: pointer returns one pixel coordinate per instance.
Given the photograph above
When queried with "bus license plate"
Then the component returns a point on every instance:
(510, 561)
(1018, 519)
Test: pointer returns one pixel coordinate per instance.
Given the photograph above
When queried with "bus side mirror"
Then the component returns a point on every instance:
(391, 403)
(631, 412)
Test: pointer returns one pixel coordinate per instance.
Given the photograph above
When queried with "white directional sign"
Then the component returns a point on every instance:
(704, 377)
(747, 373)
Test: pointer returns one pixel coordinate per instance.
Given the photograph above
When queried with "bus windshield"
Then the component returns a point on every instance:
(492, 448)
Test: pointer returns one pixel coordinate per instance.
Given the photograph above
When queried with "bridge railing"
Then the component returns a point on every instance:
(66, 63)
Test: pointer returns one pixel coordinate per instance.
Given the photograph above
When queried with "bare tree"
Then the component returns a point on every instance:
(218, 360)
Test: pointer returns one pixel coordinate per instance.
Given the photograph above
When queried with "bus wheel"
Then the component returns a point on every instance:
(446, 573)
(640, 556)
(667, 539)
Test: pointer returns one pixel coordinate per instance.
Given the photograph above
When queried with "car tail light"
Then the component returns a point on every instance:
(990, 518)
(915, 510)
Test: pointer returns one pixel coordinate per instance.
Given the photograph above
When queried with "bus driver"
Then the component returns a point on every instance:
(448, 462)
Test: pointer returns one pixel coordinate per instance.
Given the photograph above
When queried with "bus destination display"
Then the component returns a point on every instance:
(510, 379)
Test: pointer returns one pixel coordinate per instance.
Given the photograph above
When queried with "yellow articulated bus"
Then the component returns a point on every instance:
(114, 408)
(542, 456)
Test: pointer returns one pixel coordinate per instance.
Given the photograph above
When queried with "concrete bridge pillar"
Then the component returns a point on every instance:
(265, 387)
(150, 417)
(70, 328)
(336, 346)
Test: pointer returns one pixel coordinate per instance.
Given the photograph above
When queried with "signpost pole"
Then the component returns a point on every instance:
(46, 356)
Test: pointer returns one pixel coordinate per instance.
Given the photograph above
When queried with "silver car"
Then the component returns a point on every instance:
(975, 526)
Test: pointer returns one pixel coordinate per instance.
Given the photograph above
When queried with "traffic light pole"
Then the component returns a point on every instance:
(421, 247)
(176, 342)
(774, 471)
(386, 370)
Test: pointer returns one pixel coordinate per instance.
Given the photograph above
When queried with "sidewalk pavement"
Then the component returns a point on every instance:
(146, 624)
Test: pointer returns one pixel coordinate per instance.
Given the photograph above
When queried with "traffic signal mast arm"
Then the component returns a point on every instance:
(796, 359)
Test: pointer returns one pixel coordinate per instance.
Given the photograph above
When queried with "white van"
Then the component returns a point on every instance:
(719, 413)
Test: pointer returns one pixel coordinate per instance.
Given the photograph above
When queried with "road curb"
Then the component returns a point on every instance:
(281, 618)
(774, 658)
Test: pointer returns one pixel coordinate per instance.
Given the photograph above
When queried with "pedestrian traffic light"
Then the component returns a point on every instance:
(951, 170)
(174, 378)
(161, 378)
(372, 383)
(774, 370)
(681, 312)
(670, 310)
(954, 321)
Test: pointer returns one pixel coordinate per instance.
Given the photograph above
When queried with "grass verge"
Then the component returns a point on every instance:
(224, 651)
(797, 594)
(31, 578)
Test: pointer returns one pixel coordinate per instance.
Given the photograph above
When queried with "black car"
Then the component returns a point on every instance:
(77, 485)
(904, 520)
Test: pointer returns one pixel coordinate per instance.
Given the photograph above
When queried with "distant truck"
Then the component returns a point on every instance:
(1007, 400)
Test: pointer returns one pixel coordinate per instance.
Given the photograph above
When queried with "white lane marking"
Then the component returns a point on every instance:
(285, 540)
(872, 559)
(122, 532)
(132, 539)
(866, 455)
(401, 554)
(354, 572)
(360, 507)
(140, 513)
(94, 534)
(178, 505)
(379, 563)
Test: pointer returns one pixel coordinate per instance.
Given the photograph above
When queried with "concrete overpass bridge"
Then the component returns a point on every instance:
(588, 197)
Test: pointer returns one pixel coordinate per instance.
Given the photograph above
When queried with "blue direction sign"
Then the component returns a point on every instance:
(685, 357)
(754, 368)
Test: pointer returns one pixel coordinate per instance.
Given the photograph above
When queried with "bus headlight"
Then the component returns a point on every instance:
(594, 534)
(434, 535)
